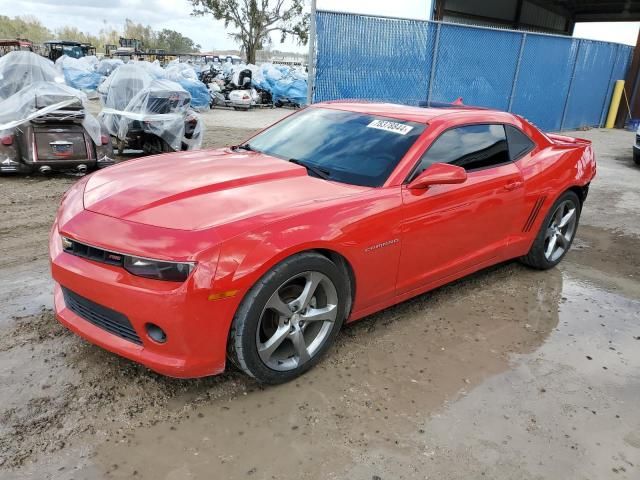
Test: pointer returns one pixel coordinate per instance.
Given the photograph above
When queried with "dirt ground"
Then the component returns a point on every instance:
(508, 374)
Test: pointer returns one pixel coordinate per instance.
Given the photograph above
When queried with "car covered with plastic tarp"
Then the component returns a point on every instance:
(187, 77)
(80, 73)
(146, 113)
(45, 124)
(19, 69)
(106, 66)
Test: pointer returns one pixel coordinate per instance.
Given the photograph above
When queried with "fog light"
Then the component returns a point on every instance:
(155, 333)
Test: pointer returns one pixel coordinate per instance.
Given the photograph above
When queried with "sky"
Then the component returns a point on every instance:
(92, 15)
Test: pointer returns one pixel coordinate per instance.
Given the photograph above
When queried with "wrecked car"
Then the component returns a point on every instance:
(150, 114)
(44, 124)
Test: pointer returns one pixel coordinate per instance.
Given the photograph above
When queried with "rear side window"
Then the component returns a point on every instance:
(472, 147)
(519, 143)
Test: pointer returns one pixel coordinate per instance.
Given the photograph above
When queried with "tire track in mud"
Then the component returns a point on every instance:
(64, 388)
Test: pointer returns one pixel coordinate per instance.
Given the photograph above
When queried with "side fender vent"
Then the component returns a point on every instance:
(534, 214)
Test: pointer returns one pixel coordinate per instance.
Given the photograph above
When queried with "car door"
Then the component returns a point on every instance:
(448, 229)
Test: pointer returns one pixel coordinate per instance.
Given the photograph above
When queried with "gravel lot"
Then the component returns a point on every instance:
(510, 373)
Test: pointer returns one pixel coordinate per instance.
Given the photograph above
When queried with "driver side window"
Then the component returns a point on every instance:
(472, 147)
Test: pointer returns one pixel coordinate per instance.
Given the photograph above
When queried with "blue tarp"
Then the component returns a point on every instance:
(200, 97)
(284, 83)
(80, 73)
(186, 76)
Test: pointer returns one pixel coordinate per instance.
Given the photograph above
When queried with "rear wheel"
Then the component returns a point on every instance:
(289, 319)
(556, 233)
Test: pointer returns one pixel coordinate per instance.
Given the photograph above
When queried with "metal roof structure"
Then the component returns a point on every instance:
(550, 16)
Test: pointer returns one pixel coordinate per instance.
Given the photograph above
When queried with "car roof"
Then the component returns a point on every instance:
(418, 114)
(63, 42)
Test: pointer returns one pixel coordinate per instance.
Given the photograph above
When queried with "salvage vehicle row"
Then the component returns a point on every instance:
(46, 125)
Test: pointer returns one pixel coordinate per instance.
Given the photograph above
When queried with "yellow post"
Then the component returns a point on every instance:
(615, 104)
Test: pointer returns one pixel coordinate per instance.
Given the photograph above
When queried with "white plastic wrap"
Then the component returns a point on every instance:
(178, 71)
(42, 99)
(134, 100)
(123, 84)
(19, 69)
(87, 64)
(154, 68)
(106, 66)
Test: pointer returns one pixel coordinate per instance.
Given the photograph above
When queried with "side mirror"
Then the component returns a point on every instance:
(439, 174)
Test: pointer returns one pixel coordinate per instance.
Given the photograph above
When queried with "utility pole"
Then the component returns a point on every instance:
(311, 78)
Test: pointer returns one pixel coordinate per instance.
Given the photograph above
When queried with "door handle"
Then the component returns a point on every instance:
(513, 185)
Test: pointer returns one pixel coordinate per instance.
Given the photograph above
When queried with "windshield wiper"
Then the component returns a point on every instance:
(244, 146)
(324, 174)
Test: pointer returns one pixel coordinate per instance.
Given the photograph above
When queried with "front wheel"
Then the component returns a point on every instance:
(556, 233)
(289, 319)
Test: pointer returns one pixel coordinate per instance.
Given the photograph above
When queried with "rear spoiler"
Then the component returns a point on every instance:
(564, 141)
(458, 103)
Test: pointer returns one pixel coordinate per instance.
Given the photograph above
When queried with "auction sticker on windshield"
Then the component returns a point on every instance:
(395, 127)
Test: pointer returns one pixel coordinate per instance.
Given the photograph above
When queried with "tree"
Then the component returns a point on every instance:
(174, 42)
(75, 35)
(140, 32)
(24, 27)
(31, 28)
(257, 19)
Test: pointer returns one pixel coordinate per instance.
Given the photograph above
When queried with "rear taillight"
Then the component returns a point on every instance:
(246, 97)
(104, 139)
(7, 140)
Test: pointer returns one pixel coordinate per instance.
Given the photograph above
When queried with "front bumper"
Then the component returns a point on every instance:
(196, 328)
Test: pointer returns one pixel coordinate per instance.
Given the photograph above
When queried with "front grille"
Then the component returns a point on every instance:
(103, 317)
(92, 253)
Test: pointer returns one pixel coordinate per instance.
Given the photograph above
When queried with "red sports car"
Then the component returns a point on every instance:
(259, 253)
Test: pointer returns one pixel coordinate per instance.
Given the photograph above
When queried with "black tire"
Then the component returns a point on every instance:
(536, 257)
(636, 157)
(242, 345)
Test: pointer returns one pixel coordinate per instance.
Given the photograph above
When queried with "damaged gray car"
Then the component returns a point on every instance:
(44, 124)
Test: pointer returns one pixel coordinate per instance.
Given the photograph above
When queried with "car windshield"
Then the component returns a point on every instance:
(345, 147)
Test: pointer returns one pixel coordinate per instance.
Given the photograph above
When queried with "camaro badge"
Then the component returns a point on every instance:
(382, 245)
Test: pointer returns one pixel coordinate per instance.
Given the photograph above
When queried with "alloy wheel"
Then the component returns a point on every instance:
(296, 321)
(560, 231)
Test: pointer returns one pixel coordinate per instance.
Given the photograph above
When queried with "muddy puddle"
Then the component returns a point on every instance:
(400, 392)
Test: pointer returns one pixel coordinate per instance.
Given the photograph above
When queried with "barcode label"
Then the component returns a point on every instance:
(395, 127)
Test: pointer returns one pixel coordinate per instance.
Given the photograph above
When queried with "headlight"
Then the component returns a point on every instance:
(169, 271)
(141, 267)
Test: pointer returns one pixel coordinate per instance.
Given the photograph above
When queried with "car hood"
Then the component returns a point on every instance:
(205, 189)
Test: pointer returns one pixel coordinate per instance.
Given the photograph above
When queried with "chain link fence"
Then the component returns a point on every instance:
(558, 83)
